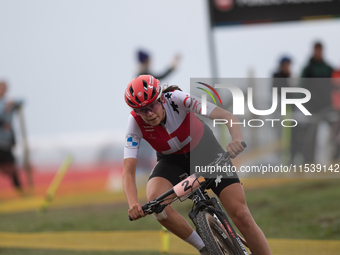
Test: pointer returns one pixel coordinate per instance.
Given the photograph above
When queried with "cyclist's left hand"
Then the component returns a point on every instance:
(235, 148)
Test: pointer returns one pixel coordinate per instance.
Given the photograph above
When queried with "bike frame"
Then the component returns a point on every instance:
(201, 202)
(191, 188)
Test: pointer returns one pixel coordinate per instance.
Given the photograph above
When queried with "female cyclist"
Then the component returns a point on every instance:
(166, 120)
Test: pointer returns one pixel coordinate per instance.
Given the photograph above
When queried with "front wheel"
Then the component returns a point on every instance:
(214, 235)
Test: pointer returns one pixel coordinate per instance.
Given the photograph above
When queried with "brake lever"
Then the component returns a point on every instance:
(152, 206)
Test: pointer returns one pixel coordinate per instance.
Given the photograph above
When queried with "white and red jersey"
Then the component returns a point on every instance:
(181, 132)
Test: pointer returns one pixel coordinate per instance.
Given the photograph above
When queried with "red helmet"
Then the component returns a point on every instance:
(142, 91)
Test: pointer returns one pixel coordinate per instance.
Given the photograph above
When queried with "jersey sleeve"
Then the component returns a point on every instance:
(132, 138)
(192, 103)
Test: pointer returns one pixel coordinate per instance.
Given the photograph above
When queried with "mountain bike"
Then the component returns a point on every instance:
(212, 223)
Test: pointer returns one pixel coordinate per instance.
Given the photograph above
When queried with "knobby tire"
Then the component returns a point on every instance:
(215, 237)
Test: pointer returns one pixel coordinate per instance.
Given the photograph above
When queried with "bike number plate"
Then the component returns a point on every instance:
(186, 186)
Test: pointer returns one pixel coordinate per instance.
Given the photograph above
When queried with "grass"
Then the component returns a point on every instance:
(89, 218)
(309, 210)
(63, 252)
(306, 210)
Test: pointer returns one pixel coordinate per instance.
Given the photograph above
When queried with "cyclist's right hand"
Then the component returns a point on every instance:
(136, 211)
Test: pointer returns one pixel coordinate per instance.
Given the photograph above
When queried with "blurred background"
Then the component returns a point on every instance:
(66, 65)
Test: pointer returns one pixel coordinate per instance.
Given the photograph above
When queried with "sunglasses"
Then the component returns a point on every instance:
(153, 107)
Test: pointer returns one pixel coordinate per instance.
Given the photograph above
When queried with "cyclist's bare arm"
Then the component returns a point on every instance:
(235, 147)
(130, 188)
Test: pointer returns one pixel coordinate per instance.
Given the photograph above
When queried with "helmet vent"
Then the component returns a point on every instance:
(130, 103)
(153, 93)
(145, 85)
(138, 101)
(145, 96)
(131, 91)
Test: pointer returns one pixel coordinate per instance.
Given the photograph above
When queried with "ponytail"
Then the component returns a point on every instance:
(170, 88)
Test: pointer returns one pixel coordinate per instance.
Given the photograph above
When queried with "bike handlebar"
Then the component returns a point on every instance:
(146, 207)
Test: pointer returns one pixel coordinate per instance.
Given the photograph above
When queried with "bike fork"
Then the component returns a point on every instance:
(196, 198)
(227, 224)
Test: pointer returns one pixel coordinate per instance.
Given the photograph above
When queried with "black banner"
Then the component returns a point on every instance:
(238, 12)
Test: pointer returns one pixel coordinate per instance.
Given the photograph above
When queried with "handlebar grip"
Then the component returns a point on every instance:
(144, 208)
(227, 154)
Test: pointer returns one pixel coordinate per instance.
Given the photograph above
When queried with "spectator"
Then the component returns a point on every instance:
(281, 80)
(144, 65)
(320, 89)
(282, 74)
(316, 78)
(7, 139)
